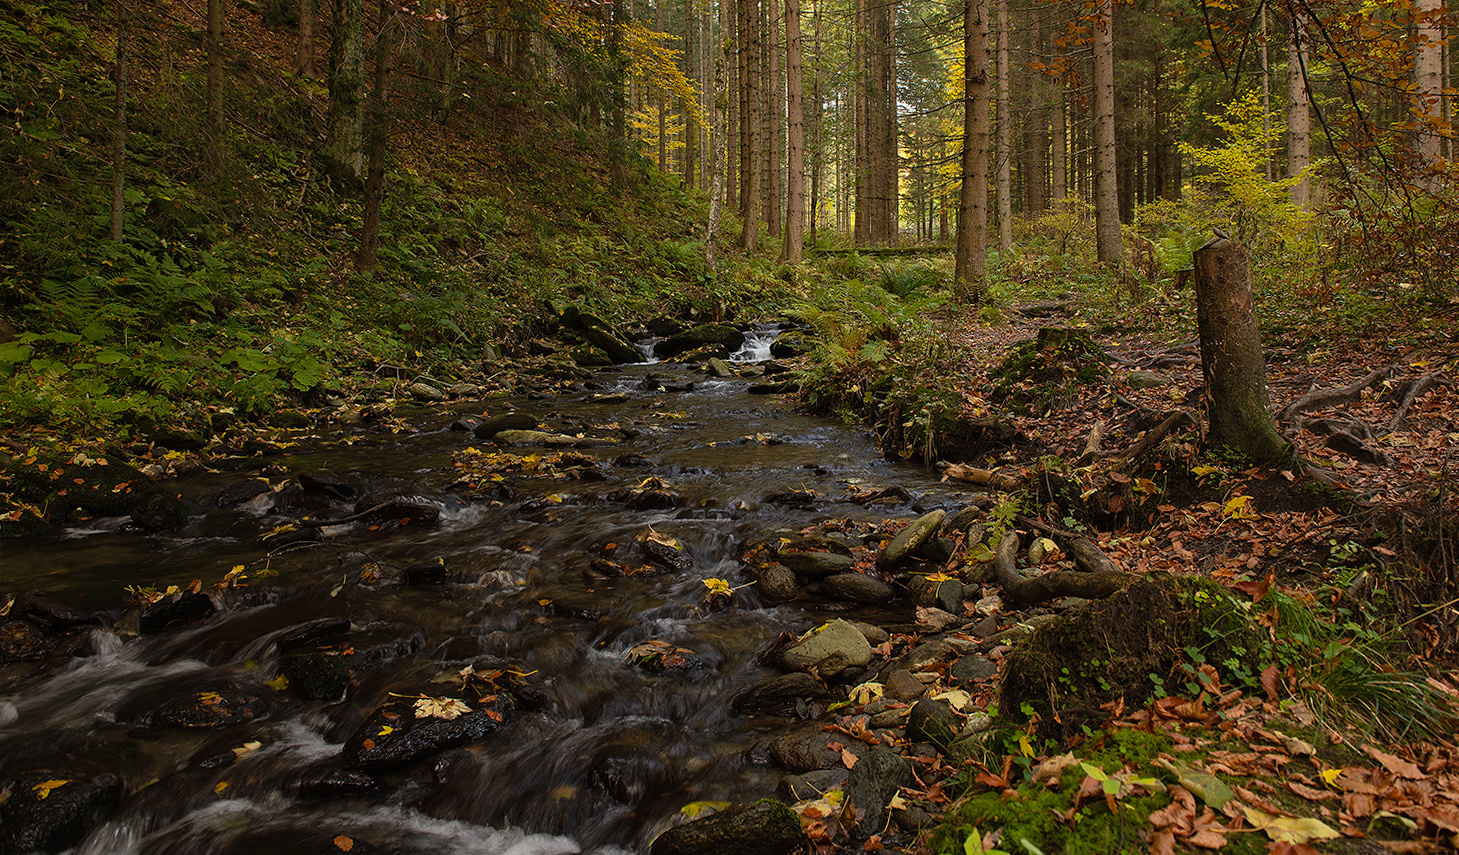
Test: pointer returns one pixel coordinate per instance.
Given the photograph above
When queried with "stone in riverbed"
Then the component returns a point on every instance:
(806, 750)
(971, 669)
(856, 588)
(21, 640)
(945, 594)
(175, 610)
(817, 564)
(767, 827)
(318, 675)
(873, 782)
(722, 335)
(51, 810)
(488, 428)
(830, 649)
(812, 785)
(780, 692)
(224, 707)
(778, 583)
(909, 538)
(426, 393)
(399, 731)
(932, 721)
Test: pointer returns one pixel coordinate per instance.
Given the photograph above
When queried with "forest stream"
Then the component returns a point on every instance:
(528, 586)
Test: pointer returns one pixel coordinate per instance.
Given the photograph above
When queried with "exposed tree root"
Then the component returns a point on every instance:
(1155, 436)
(1060, 583)
(1320, 398)
(1417, 390)
(1089, 557)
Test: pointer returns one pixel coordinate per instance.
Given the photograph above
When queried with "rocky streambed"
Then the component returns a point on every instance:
(563, 622)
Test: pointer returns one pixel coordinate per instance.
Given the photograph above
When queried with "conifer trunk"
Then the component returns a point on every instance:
(790, 252)
(972, 224)
(120, 78)
(1106, 173)
(344, 149)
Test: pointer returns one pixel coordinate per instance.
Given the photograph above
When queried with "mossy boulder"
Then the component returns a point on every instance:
(722, 335)
(600, 334)
(58, 488)
(789, 345)
(767, 827)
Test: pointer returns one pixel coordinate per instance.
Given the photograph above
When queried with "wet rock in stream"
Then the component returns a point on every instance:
(404, 729)
(829, 649)
(175, 610)
(51, 810)
(767, 827)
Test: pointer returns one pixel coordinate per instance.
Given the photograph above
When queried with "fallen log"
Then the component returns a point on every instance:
(1049, 586)
(1319, 398)
(1155, 436)
(983, 477)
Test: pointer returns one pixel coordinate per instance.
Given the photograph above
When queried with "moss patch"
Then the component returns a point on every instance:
(1123, 647)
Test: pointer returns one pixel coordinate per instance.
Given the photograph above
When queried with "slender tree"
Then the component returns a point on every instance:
(120, 72)
(344, 148)
(1428, 85)
(972, 224)
(213, 48)
(304, 49)
(790, 252)
(1005, 136)
(378, 144)
(1106, 176)
(1299, 121)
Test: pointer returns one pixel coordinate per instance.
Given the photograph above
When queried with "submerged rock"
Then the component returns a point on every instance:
(51, 810)
(856, 588)
(817, 564)
(175, 610)
(780, 692)
(767, 827)
(406, 729)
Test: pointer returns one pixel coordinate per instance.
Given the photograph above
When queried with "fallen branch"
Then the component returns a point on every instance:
(983, 477)
(1092, 445)
(1155, 436)
(1049, 586)
(1419, 388)
(1320, 398)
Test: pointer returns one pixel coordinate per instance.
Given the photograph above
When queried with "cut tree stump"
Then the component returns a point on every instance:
(1231, 357)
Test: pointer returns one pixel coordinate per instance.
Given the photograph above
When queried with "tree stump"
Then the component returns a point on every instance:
(1238, 414)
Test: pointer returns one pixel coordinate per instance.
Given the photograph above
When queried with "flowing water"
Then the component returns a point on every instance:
(607, 758)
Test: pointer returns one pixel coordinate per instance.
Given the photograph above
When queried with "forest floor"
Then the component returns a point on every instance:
(1314, 766)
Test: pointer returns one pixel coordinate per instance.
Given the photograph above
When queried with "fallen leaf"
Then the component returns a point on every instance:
(1397, 765)
(344, 844)
(1289, 829)
(43, 789)
(847, 758)
(442, 708)
(1207, 787)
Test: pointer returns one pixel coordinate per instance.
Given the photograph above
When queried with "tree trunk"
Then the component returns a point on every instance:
(1299, 118)
(750, 154)
(818, 136)
(1428, 83)
(663, 106)
(379, 140)
(1005, 136)
(213, 47)
(861, 173)
(774, 132)
(972, 224)
(1060, 153)
(1106, 177)
(790, 252)
(120, 78)
(344, 149)
(618, 93)
(729, 24)
(718, 166)
(1239, 414)
(304, 50)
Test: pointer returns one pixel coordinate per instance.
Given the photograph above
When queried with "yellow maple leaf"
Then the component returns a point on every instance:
(442, 708)
(1239, 507)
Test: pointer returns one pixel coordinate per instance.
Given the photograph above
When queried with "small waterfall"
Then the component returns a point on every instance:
(757, 343)
(646, 347)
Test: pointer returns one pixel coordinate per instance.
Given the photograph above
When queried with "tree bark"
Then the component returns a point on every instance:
(304, 50)
(970, 276)
(1299, 119)
(1106, 177)
(379, 141)
(213, 47)
(344, 147)
(121, 71)
(1005, 136)
(751, 143)
(1428, 83)
(774, 133)
(1239, 414)
(790, 252)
